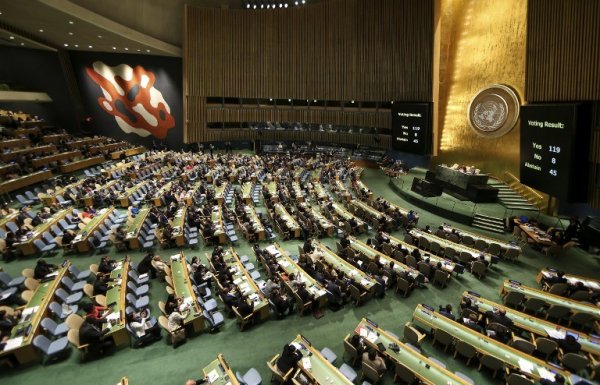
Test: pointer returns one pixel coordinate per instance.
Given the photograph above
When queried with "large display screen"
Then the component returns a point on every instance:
(554, 149)
(411, 127)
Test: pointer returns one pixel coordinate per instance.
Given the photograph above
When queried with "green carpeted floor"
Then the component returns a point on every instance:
(161, 364)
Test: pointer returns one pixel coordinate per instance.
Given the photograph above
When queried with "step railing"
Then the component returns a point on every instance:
(534, 197)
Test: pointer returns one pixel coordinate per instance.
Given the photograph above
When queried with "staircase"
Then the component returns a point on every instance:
(489, 223)
(510, 198)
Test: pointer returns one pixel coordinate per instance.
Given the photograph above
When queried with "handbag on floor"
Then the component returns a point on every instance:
(177, 336)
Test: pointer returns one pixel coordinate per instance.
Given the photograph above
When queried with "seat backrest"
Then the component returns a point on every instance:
(61, 293)
(48, 324)
(516, 379)
(442, 336)
(55, 308)
(491, 362)
(164, 323)
(558, 288)
(39, 243)
(5, 278)
(74, 321)
(405, 374)
(41, 342)
(370, 372)
(545, 345)
(575, 361)
(465, 349)
(73, 337)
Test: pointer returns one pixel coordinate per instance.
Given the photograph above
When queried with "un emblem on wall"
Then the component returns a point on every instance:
(493, 111)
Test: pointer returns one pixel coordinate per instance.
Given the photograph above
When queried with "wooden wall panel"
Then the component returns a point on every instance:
(563, 50)
(363, 50)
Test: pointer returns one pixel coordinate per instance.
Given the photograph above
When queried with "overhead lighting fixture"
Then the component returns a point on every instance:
(285, 5)
(89, 46)
(138, 50)
(126, 49)
(295, 3)
(114, 47)
(11, 37)
(71, 22)
(262, 6)
(248, 5)
(280, 5)
(147, 50)
(41, 30)
(76, 45)
(66, 45)
(303, 1)
(22, 44)
(71, 33)
(99, 36)
(254, 6)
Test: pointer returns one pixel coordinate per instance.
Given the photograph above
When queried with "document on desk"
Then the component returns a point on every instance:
(272, 250)
(13, 343)
(212, 376)
(372, 337)
(306, 364)
(553, 333)
(284, 263)
(545, 373)
(113, 316)
(526, 366)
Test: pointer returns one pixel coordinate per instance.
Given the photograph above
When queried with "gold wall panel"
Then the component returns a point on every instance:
(364, 50)
(482, 42)
(563, 50)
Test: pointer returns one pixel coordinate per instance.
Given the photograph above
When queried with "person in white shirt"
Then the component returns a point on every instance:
(145, 327)
(177, 318)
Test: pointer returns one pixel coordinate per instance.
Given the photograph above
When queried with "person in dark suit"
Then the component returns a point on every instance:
(7, 321)
(308, 247)
(289, 358)
(471, 323)
(245, 306)
(569, 344)
(499, 316)
(42, 269)
(447, 312)
(336, 298)
(96, 339)
(282, 304)
(106, 265)
(558, 380)
(558, 278)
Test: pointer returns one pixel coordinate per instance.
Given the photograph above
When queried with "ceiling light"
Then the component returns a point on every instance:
(138, 50)
(295, 3)
(262, 6)
(0, 12)
(41, 30)
(71, 33)
(147, 50)
(126, 49)
(254, 6)
(248, 5)
(76, 45)
(89, 46)
(280, 5)
(286, 5)
(99, 36)
(66, 45)
(22, 44)
(71, 22)
(303, 1)
(11, 37)
(114, 47)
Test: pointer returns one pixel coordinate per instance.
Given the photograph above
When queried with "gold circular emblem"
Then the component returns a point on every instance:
(493, 111)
